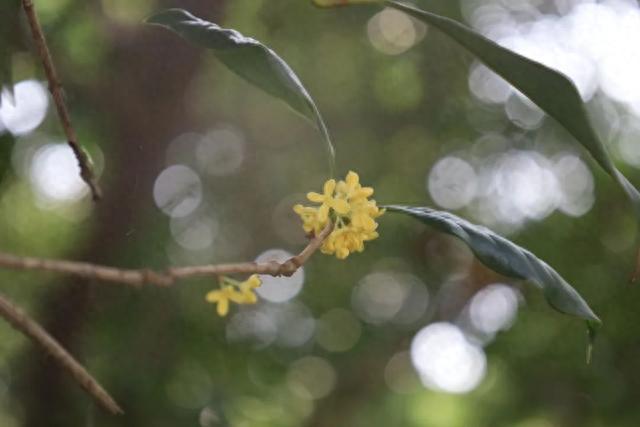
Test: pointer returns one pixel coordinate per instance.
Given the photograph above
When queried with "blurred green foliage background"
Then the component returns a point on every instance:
(199, 167)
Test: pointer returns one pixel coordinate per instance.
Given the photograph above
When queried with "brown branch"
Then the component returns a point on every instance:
(167, 278)
(27, 326)
(23, 323)
(55, 88)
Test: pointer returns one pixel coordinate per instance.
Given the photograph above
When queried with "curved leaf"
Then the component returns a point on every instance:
(551, 90)
(509, 259)
(251, 60)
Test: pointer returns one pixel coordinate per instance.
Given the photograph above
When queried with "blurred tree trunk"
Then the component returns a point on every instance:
(142, 100)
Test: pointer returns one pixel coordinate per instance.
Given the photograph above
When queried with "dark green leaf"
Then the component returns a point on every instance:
(550, 90)
(251, 60)
(509, 259)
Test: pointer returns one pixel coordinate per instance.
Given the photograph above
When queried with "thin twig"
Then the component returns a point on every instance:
(23, 323)
(167, 278)
(55, 88)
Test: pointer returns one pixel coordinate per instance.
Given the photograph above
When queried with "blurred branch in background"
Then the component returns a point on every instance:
(140, 122)
(20, 321)
(147, 276)
(55, 88)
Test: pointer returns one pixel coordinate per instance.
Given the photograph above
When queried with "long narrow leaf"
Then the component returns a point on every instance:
(509, 259)
(551, 90)
(251, 60)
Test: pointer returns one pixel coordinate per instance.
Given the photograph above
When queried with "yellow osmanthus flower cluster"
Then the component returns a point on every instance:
(234, 291)
(346, 203)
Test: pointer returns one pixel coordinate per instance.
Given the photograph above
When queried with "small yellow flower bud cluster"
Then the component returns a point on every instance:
(346, 203)
(234, 291)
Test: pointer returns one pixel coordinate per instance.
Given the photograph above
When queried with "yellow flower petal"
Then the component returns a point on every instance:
(347, 203)
(235, 296)
(251, 283)
(373, 235)
(364, 192)
(352, 178)
(249, 298)
(254, 281)
(323, 213)
(364, 221)
(213, 296)
(223, 307)
(340, 206)
(329, 187)
(315, 197)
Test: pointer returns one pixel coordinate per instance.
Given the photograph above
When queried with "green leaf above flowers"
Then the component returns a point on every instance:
(251, 60)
